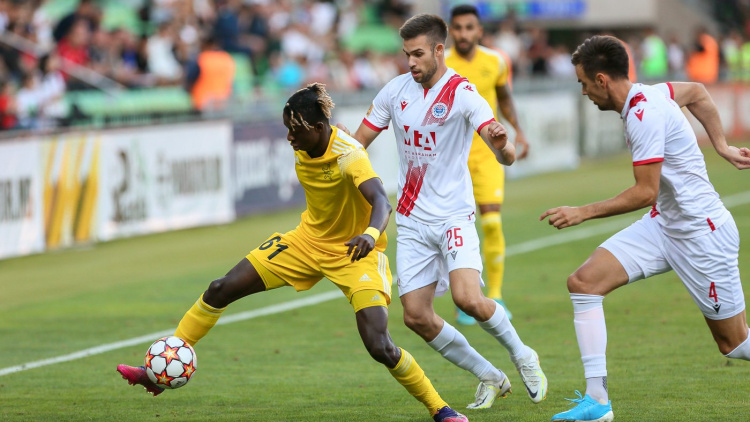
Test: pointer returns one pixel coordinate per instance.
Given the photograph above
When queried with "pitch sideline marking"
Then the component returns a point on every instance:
(525, 247)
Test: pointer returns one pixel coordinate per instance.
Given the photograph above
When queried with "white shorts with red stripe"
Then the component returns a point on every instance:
(428, 253)
(707, 264)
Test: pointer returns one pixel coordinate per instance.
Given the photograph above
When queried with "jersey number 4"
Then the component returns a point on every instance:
(270, 242)
(712, 292)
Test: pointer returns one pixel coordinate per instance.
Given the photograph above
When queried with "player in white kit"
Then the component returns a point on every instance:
(687, 230)
(434, 112)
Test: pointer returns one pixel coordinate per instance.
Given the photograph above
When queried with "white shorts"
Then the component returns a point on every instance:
(707, 264)
(428, 253)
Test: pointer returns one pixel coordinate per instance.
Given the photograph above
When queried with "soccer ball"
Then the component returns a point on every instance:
(170, 362)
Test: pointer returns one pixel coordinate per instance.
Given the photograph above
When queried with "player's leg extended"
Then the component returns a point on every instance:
(468, 296)
(242, 280)
(421, 318)
(599, 275)
(731, 335)
(708, 267)
(372, 322)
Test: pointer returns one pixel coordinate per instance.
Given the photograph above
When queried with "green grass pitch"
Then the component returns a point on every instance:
(309, 364)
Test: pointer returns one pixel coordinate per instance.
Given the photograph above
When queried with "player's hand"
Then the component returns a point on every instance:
(498, 135)
(360, 246)
(344, 128)
(739, 157)
(521, 145)
(562, 217)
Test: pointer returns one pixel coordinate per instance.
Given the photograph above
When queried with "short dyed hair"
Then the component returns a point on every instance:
(308, 106)
(433, 26)
(602, 54)
(464, 9)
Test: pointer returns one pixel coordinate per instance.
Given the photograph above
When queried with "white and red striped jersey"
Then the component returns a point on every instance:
(656, 130)
(434, 129)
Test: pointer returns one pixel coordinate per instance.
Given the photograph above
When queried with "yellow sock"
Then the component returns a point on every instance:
(409, 374)
(198, 321)
(494, 253)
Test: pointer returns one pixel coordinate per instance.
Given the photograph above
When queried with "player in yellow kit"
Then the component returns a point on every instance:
(340, 237)
(489, 71)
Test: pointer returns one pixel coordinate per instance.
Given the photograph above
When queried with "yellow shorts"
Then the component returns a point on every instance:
(487, 175)
(290, 259)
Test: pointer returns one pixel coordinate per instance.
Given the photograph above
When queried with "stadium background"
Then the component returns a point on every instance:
(123, 153)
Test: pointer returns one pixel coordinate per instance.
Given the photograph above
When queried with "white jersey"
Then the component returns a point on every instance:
(656, 130)
(434, 129)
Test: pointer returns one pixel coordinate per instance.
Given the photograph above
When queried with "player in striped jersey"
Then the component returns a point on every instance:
(489, 71)
(344, 244)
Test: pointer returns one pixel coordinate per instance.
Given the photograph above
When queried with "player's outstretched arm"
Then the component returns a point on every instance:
(374, 192)
(696, 98)
(496, 137)
(508, 110)
(642, 194)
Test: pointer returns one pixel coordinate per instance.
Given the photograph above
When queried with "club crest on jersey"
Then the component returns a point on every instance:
(327, 172)
(439, 110)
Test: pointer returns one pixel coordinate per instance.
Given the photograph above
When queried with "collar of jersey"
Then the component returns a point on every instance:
(306, 156)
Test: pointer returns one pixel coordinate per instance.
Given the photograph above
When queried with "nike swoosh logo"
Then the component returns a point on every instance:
(531, 394)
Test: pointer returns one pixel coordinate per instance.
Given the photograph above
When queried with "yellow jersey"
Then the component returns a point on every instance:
(487, 70)
(336, 210)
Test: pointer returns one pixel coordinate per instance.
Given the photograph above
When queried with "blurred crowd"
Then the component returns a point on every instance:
(207, 46)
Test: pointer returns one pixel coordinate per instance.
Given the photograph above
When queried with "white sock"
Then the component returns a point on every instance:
(452, 345)
(499, 326)
(591, 332)
(742, 351)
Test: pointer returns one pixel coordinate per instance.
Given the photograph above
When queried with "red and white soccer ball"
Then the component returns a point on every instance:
(170, 362)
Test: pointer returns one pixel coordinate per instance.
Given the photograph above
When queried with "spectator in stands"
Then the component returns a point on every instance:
(731, 49)
(538, 51)
(654, 60)
(87, 11)
(703, 63)
(161, 59)
(210, 77)
(52, 89)
(675, 58)
(7, 106)
(508, 41)
(28, 102)
(127, 60)
(558, 65)
(11, 57)
(74, 51)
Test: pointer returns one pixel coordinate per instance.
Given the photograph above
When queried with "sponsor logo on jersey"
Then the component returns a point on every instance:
(639, 114)
(403, 104)
(453, 254)
(439, 110)
(365, 277)
(717, 307)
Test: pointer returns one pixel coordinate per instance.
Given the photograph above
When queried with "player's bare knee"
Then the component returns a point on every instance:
(577, 283)
(420, 324)
(473, 306)
(216, 294)
(383, 351)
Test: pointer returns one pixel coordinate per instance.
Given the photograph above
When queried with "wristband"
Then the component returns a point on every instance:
(372, 231)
